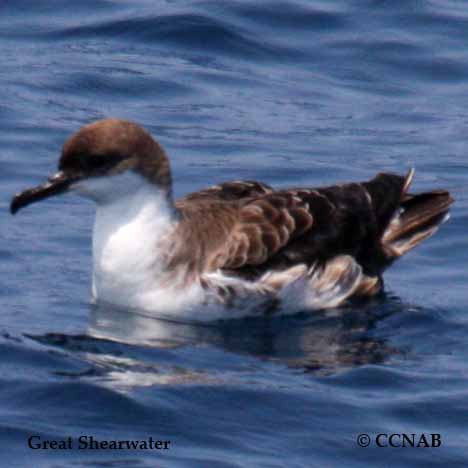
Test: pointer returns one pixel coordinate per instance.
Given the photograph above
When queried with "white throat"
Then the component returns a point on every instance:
(132, 219)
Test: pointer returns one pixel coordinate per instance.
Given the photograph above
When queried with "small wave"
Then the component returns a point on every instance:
(289, 15)
(189, 31)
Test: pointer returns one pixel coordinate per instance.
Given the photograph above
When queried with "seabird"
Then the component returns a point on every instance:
(235, 249)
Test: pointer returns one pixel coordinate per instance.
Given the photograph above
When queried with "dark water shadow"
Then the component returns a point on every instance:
(321, 343)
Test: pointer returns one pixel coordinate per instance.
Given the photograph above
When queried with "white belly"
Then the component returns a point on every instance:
(129, 251)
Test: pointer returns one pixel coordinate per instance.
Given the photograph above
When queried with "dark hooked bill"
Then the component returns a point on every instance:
(56, 184)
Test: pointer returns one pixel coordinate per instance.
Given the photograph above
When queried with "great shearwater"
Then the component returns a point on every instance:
(234, 249)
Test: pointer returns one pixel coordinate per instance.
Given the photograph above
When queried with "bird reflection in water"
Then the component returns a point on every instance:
(322, 343)
(124, 349)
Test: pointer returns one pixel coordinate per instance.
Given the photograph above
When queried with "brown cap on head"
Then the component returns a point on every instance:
(112, 146)
(104, 148)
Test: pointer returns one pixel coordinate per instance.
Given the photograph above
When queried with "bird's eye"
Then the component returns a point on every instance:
(95, 162)
(98, 162)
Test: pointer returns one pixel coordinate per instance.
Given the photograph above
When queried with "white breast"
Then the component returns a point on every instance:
(133, 221)
(126, 257)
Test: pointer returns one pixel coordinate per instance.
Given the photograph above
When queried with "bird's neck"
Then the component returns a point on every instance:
(128, 241)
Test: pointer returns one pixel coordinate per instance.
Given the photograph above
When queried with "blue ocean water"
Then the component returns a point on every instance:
(288, 92)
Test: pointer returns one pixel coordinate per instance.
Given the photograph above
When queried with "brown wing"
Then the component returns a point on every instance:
(229, 191)
(288, 227)
(263, 226)
(207, 220)
(247, 228)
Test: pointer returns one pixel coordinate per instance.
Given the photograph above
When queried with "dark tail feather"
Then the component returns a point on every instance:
(418, 218)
